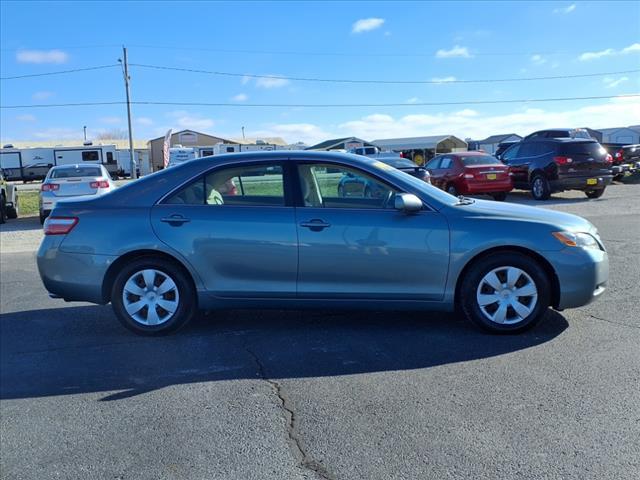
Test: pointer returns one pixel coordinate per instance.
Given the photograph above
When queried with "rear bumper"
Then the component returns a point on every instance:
(489, 186)
(582, 275)
(580, 183)
(72, 276)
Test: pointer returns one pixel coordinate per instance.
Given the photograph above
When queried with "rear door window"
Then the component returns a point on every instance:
(593, 149)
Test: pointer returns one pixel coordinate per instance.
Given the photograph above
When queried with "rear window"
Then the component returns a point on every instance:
(76, 172)
(593, 149)
(470, 160)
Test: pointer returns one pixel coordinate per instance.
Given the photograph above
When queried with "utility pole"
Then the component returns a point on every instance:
(134, 173)
(85, 132)
(242, 133)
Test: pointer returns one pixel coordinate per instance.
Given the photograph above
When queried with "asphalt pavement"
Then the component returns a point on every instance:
(324, 395)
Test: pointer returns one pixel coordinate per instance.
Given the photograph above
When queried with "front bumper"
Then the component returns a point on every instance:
(72, 276)
(582, 275)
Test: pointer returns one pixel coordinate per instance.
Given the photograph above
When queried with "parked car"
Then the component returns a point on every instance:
(502, 146)
(470, 173)
(170, 243)
(546, 165)
(626, 158)
(71, 182)
(8, 199)
(374, 152)
(352, 184)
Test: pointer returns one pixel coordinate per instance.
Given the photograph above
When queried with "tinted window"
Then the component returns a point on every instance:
(529, 149)
(90, 156)
(471, 160)
(331, 186)
(75, 172)
(253, 185)
(434, 164)
(109, 157)
(369, 151)
(511, 152)
(593, 149)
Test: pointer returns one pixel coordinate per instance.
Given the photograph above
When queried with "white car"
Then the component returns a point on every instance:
(72, 182)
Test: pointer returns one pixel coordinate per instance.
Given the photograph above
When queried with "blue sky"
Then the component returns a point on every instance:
(359, 40)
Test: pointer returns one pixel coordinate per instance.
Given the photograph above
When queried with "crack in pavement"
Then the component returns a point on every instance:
(303, 457)
(614, 323)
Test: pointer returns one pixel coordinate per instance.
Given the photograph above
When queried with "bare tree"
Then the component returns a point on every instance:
(115, 134)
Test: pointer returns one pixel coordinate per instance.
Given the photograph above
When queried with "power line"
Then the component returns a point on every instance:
(322, 105)
(402, 82)
(60, 72)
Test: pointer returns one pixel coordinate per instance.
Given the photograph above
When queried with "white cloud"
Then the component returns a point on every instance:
(586, 56)
(41, 56)
(241, 97)
(43, 95)
(185, 120)
(412, 100)
(367, 24)
(26, 118)
(271, 81)
(538, 59)
(448, 79)
(565, 10)
(146, 121)
(57, 133)
(464, 123)
(296, 132)
(111, 120)
(610, 82)
(245, 79)
(456, 51)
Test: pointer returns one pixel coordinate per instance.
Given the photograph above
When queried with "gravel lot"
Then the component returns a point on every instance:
(333, 395)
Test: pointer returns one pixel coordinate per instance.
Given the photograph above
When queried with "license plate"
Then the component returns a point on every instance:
(592, 181)
(491, 176)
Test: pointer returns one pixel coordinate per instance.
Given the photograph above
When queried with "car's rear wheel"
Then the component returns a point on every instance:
(3, 209)
(594, 193)
(153, 296)
(540, 188)
(499, 196)
(505, 292)
(12, 212)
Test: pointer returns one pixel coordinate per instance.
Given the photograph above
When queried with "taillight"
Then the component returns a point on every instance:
(100, 184)
(49, 187)
(59, 225)
(609, 158)
(562, 160)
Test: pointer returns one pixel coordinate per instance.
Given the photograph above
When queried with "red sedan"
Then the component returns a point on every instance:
(468, 173)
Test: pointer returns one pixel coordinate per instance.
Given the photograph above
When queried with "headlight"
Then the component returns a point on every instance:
(577, 239)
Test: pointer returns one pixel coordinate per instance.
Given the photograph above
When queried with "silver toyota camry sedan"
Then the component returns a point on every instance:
(270, 230)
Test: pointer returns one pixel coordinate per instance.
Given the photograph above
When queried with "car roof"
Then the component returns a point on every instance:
(75, 166)
(472, 153)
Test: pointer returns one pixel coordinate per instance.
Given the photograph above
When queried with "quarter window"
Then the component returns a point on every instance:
(253, 185)
(331, 186)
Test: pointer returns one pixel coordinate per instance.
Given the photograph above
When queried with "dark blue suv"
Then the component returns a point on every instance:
(546, 165)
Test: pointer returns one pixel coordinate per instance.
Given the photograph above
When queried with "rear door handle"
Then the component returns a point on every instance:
(175, 220)
(316, 225)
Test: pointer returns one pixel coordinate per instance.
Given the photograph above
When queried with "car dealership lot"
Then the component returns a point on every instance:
(339, 395)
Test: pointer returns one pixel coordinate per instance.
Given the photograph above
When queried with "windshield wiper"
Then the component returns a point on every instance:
(462, 200)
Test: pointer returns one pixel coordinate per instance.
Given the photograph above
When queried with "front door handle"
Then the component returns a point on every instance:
(175, 220)
(315, 225)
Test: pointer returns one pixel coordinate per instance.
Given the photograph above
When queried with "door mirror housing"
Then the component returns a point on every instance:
(408, 202)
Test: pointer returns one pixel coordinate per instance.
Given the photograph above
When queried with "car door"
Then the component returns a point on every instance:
(519, 171)
(447, 171)
(362, 247)
(235, 225)
(433, 167)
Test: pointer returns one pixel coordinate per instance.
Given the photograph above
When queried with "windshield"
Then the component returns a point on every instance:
(471, 160)
(76, 172)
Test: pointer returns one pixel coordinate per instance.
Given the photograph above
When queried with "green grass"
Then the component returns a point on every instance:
(28, 203)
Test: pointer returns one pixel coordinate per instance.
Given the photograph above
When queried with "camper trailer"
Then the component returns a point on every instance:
(28, 164)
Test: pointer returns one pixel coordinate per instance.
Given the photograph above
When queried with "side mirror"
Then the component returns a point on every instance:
(408, 202)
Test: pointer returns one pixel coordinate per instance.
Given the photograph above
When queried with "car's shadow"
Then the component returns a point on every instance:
(83, 349)
(21, 224)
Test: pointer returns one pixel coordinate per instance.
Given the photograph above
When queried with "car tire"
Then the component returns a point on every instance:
(540, 188)
(43, 217)
(509, 273)
(594, 193)
(12, 212)
(452, 190)
(138, 288)
(3, 209)
(499, 197)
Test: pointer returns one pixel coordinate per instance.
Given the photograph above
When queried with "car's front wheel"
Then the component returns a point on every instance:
(594, 193)
(505, 292)
(153, 296)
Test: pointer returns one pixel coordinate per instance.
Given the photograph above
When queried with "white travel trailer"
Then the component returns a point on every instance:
(28, 164)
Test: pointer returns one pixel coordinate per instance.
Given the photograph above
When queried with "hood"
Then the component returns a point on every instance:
(513, 211)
